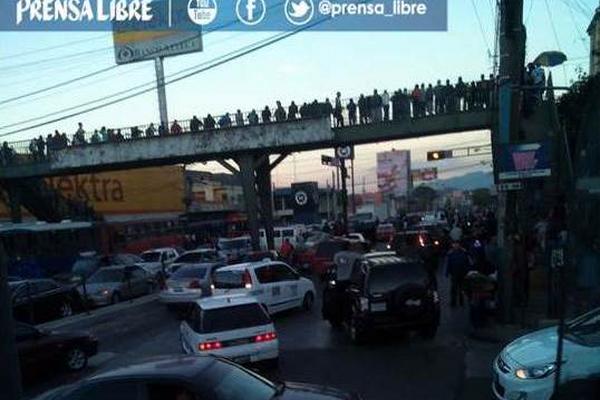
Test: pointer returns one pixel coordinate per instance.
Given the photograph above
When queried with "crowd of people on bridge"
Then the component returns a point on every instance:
(422, 101)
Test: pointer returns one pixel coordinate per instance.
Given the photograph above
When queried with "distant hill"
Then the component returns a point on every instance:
(470, 181)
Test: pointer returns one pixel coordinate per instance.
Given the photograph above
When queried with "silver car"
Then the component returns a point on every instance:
(110, 285)
(188, 284)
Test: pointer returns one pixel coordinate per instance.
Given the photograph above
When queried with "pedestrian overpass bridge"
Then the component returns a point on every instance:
(230, 143)
(249, 146)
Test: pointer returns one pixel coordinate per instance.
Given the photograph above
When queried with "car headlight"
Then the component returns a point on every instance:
(536, 372)
(104, 292)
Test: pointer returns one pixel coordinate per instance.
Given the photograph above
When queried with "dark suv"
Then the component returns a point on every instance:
(380, 291)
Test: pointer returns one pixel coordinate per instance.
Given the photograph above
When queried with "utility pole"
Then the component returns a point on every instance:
(353, 192)
(10, 377)
(162, 94)
(512, 60)
(344, 177)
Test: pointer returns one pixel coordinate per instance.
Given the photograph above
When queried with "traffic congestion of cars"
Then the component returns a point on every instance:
(225, 297)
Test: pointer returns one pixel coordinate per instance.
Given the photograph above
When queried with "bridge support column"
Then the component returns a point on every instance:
(265, 193)
(247, 175)
(14, 204)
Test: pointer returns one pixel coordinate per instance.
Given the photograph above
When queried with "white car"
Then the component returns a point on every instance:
(275, 284)
(525, 369)
(236, 327)
(153, 260)
(194, 257)
(188, 284)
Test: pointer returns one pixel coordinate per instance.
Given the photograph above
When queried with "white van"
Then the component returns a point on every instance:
(293, 233)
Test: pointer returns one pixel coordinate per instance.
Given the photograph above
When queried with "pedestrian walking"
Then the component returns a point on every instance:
(457, 265)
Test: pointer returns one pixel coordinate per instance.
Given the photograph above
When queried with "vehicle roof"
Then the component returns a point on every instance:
(232, 239)
(389, 259)
(248, 265)
(23, 281)
(159, 367)
(199, 251)
(224, 301)
(159, 249)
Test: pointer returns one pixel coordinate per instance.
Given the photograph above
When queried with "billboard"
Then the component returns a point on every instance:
(524, 161)
(305, 202)
(393, 172)
(138, 191)
(134, 46)
(424, 174)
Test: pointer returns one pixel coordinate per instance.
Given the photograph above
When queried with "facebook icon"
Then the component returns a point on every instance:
(250, 12)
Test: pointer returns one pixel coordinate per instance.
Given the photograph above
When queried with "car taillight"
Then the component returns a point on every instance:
(195, 284)
(265, 337)
(247, 279)
(207, 346)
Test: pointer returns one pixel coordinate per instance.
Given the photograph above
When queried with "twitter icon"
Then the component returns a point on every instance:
(299, 12)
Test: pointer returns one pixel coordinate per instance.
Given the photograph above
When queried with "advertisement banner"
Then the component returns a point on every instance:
(393, 172)
(424, 174)
(524, 161)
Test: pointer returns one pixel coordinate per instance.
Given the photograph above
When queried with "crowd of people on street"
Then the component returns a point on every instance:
(422, 101)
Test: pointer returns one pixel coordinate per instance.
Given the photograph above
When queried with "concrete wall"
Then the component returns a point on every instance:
(224, 142)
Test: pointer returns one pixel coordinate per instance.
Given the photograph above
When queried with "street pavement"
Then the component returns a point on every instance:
(399, 367)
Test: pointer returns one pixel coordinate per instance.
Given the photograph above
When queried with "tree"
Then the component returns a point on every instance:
(424, 196)
(481, 197)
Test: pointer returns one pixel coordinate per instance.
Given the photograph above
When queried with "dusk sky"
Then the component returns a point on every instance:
(304, 67)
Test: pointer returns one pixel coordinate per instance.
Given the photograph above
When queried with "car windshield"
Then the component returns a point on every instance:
(225, 381)
(231, 318)
(228, 279)
(196, 257)
(194, 272)
(382, 279)
(107, 275)
(585, 329)
(84, 266)
(233, 244)
(362, 217)
(151, 256)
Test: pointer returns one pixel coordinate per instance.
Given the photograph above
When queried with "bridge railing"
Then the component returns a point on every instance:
(402, 106)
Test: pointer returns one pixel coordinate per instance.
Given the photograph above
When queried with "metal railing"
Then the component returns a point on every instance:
(402, 106)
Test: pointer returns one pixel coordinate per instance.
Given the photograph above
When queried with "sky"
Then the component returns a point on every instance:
(307, 66)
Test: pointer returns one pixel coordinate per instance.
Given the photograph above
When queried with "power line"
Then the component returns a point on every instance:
(481, 29)
(549, 13)
(274, 39)
(45, 49)
(51, 59)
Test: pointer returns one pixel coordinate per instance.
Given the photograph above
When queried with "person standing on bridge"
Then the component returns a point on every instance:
(429, 99)
(176, 128)
(239, 118)
(279, 113)
(162, 129)
(40, 147)
(150, 131)
(351, 112)
(95, 139)
(337, 111)
(266, 115)
(209, 122)
(195, 125)
(438, 93)
(292, 111)
(385, 101)
(460, 94)
(376, 105)
(450, 96)
(362, 109)
(225, 121)
(416, 101)
(253, 117)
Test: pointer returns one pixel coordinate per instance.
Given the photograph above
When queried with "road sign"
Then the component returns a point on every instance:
(509, 186)
(344, 152)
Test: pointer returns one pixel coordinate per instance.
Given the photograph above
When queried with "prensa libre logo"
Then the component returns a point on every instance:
(83, 10)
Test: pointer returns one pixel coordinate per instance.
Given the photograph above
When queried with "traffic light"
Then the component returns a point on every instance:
(438, 155)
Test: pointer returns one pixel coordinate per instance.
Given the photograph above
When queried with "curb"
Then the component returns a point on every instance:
(99, 312)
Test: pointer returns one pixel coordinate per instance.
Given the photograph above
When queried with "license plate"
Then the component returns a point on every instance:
(378, 307)
(413, 303)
